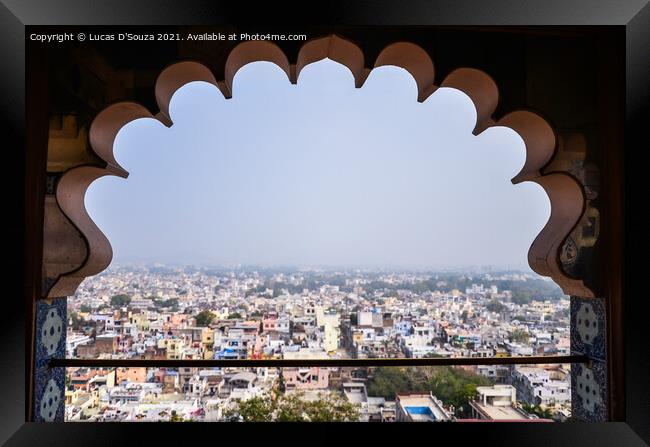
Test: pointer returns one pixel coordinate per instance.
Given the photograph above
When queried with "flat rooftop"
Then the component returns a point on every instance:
(499, 412)
(422, 408)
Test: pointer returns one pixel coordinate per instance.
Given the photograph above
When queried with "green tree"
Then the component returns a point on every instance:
(204, 318)
(495, 306)
(519, 336)
(256, 409)
(290, 408)
(454, 386)
(234, 316)
(75, 321)
(293, 408)
(120, 300)
(85, 308)
(387, 382)
(521, 297)
(175, 417)
(331, 409)
(540, 412)
(171, 302)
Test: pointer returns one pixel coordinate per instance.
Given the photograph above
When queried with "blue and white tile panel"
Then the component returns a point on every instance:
(49, 383)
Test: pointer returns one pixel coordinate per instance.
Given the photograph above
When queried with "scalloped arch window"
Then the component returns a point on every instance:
(564, 193)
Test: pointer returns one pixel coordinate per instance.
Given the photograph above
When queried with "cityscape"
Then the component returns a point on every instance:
(196, 312)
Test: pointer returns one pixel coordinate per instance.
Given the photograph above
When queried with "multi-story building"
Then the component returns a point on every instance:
(539, 385)
(497, 403)
(73, 340)
(107, 343)
(331, 322)
(131, 375)
(302, 379)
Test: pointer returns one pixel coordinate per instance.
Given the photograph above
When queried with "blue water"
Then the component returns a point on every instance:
(420, 410)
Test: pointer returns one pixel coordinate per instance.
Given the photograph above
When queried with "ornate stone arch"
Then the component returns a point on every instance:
(76, 248)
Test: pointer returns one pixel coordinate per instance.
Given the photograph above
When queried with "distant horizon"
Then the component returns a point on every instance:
(328, 268)
(208, 264)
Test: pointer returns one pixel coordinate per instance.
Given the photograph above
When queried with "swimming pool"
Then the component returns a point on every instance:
(421, 411)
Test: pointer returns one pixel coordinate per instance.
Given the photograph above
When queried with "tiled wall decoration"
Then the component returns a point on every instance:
(49, 383)
(49, 389)
(588, 337)
(589, 392)
(588, 324)
(52, 331)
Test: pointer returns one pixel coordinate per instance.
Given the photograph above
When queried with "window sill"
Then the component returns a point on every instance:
(503, 434)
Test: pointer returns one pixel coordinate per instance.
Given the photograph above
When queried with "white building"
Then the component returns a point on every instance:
(331, 337)
(73, 340)
(420, 408)
(542, 386)
(497, 403)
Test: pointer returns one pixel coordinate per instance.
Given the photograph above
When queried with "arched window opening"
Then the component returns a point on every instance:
(330, 222)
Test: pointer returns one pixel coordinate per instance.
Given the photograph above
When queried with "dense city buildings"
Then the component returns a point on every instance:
(161, 312)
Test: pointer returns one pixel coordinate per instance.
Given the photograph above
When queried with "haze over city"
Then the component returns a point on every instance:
(319, 174)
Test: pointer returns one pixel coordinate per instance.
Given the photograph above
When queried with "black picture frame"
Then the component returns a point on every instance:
(16, 14)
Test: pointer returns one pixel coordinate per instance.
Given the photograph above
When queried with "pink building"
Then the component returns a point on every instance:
(134, 375)
(305, 378)
(270, 321)
(177, 320)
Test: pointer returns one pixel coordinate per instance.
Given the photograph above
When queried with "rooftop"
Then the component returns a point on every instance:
(422, 408)
(499, 412)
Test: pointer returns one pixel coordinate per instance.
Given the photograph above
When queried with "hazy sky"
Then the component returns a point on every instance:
(319, 174)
